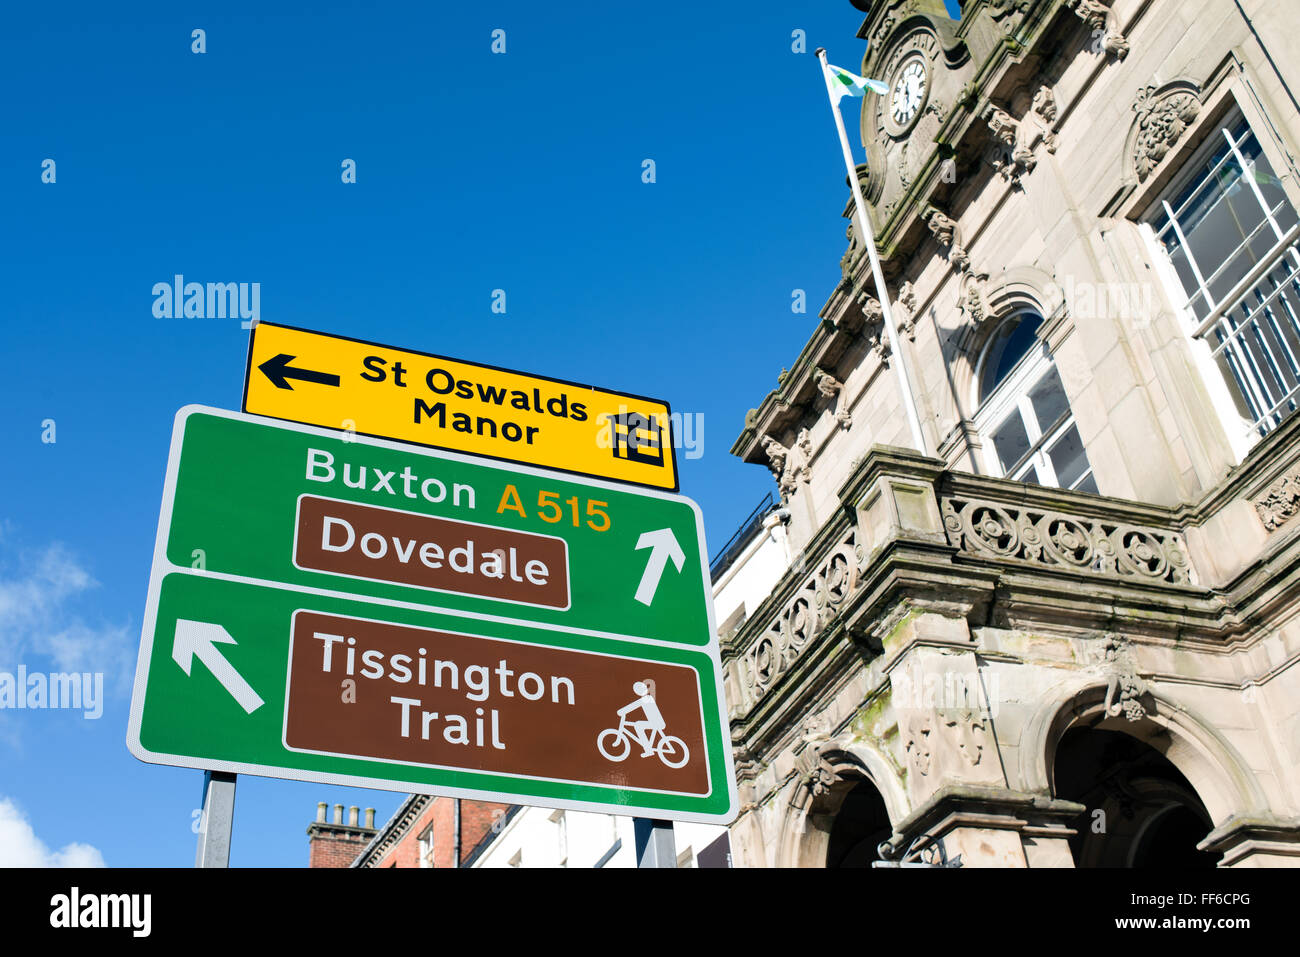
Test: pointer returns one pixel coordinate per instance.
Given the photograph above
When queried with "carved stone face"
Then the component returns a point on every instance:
(967, 730)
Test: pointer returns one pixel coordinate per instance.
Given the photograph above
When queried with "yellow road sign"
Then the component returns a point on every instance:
(371, 389)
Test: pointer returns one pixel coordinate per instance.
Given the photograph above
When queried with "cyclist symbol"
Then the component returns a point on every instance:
(648, 731)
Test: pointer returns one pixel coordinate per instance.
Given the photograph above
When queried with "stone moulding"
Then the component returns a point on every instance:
(999, 530)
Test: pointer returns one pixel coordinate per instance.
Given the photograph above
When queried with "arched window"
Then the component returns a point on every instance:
(1023, 413)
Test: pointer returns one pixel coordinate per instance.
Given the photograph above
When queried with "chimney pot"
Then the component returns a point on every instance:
(352, 816)
(370, 818)
(338, 813)
(321, 808)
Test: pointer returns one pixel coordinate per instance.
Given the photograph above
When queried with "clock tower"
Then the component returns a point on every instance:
(913, 46)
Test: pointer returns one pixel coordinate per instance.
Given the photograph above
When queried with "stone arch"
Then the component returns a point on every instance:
(1209, 762)
(1013, 290)
(827, 773)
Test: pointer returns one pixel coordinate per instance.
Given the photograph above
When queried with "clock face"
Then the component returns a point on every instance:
(908, 93)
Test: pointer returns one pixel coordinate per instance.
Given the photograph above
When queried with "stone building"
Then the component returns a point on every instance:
(1065, 633)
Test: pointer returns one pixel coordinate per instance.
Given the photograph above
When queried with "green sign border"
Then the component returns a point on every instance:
(720, 806)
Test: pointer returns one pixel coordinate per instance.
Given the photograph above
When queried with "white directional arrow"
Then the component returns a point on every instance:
(663, 546)
(199, 639)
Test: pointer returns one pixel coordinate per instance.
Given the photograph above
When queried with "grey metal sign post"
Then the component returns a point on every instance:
(655, 846)
(216, 820)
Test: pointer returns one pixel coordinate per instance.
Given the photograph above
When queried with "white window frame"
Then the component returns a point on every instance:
(425, 840)
(1011, 397)
(1240, 434)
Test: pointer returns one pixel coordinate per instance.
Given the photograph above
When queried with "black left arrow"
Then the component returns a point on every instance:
(279, 372)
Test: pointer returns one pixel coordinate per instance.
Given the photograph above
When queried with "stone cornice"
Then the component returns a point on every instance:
(787, 404)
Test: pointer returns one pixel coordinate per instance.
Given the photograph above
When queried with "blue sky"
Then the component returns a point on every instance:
(475, 172)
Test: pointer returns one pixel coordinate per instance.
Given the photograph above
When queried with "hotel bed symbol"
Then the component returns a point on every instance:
(637, 438)
(616, 743)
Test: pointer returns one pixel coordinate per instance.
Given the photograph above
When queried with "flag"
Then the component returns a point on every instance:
(842, 83)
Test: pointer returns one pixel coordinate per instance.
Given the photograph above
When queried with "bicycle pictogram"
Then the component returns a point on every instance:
(616, 743)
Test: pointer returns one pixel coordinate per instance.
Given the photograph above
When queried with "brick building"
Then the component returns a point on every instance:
(424, 832)
(335, 843)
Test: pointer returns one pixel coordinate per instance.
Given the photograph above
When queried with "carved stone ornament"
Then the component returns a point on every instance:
(1279, 502)
(831, 387)
(826, 383)
(805, 445)
(1092, 12)
(1124, 689)
(1097, 16)
(972, 299)
(1003, 10)
(1012, 164)
(945, 230)
(776, 455)
(1006, 531)
(1044, 109)
(850, 254)
(796, 627)
(795, 465)
(870, 305)
(880, 346)
(1012, 156)
(882, 31)
(816, 775)
(966, 728)
(1002, 125)
(1045, 104)
(918, 726)
(1161, 122)
(907, 310)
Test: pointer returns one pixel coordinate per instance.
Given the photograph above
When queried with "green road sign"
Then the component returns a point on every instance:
(442, 625)
(303, 506)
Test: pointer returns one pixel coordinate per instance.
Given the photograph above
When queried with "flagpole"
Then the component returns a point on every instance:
(869, 240)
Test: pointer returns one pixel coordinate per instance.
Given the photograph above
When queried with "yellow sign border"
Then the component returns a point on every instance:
(670, 450)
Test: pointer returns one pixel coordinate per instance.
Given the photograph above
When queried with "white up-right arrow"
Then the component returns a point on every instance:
(663, 546)
(199, 639)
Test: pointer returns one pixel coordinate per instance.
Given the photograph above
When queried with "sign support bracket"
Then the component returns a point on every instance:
(217, 819)
(655, 846)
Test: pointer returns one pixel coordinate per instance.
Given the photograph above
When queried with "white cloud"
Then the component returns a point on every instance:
(20, 847)
(36, 617)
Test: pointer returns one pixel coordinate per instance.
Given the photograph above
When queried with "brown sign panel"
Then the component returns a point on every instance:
(364, 541)
(450, 700)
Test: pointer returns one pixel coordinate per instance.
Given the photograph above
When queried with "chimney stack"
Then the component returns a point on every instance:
(332, 843)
